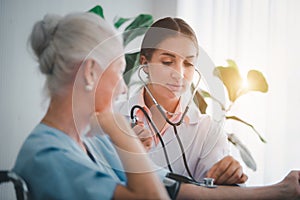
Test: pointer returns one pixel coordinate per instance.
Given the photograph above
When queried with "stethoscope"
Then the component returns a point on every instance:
(207, 182)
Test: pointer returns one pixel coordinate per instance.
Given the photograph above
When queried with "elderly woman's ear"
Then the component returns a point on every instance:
(90, 74)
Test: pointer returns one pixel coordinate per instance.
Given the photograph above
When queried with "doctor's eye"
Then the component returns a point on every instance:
(168, 63)
(188, 64)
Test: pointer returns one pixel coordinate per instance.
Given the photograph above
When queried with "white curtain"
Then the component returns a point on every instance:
(262, 35)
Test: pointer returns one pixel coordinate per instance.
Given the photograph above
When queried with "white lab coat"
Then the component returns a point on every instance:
(204, 140)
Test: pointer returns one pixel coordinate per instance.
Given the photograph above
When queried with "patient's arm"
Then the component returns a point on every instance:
(142, 181)
(288, 188)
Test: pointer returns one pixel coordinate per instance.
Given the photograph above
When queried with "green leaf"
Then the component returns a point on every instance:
(231, 78)
(121, 21)
(142, 20)
(206, 94)
(232, 63)
(136, 28)
(131, 65)
(244, 152)
(199, 101)
(131, 60)
(256, 81)
(251, 126)
(97, 10)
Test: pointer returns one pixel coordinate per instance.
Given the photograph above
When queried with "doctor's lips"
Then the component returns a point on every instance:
(175, 87)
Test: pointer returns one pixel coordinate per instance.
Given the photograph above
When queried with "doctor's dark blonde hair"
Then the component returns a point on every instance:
(163, 29)
(61, 44)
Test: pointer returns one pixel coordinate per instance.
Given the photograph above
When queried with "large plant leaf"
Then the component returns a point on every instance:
(251, 126)
(244, 152)
(142, 20)
(131, 60)
(199, 100)
(256, 81)
(119, 21)
(131, 64)
(206, 94)
(231, 78)
(97, 10)
(137, 27)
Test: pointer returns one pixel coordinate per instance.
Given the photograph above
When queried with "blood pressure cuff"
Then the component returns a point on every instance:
(172, 187)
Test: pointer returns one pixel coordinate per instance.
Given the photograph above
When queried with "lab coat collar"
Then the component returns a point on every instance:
(124, 107)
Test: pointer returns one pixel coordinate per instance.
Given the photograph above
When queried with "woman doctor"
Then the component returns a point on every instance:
(168, 56)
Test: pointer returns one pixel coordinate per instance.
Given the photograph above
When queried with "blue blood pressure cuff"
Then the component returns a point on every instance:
(172, 187)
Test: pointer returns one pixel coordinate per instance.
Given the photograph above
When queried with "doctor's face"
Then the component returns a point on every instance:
(171, 67)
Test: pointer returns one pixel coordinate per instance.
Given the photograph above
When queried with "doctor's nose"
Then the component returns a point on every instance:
(177, 72)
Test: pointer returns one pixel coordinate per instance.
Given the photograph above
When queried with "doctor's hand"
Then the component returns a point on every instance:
(144, 135)
(227, 171)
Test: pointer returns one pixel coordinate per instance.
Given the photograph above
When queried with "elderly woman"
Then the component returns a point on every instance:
(83, 60)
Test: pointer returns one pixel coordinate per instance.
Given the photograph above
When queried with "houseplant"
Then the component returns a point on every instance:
(137, 27)
(233, 83)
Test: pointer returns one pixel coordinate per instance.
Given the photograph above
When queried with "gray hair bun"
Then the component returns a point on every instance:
(42, 44)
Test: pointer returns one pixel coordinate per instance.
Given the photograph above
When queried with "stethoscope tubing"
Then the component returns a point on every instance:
(161, 110)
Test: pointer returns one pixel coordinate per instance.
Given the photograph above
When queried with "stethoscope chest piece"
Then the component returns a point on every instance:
(208, 182)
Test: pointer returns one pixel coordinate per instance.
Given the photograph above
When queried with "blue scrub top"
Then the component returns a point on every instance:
(55, 167)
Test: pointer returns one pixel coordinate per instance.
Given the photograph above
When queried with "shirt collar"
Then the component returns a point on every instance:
(192, 116)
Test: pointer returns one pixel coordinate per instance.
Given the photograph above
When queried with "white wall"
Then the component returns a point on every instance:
(21, 101)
